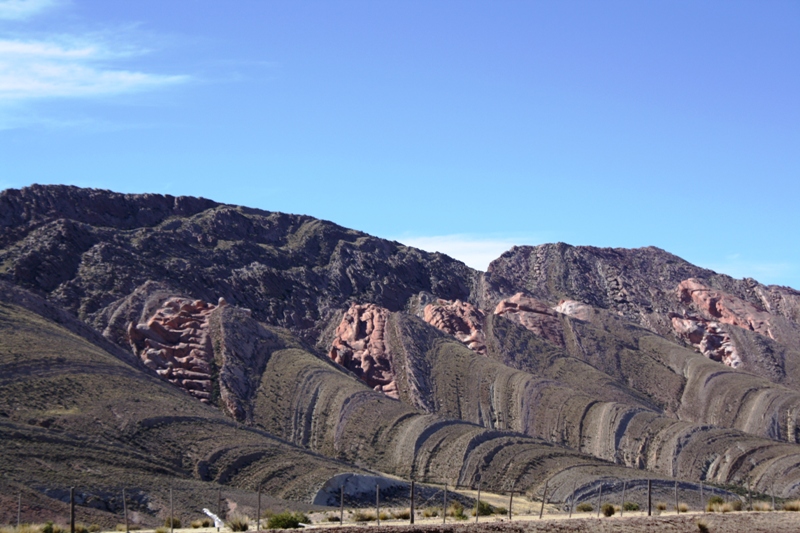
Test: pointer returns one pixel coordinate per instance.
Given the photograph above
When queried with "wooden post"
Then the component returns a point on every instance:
(677, 510)
(510, 504)
(649, 497)
(772, 492)
(72, 510)
(341, 505)
(171, 513)
(19, 509)
(702, 500)
(258, 512)
(412, 502)
(599, 498)
(622, 505)
(219, 503)
(478, 501)
(749, 498)
(444, 506)
(125, 511)
(378, 503)
(544, 497)
(572, 503)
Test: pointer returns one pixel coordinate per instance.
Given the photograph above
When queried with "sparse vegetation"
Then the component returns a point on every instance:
(762, 507)
(630, 506)
(608, 509)
(716, 500)
(402, 514)
(483, 509)
(287, 520)
(162, 529)
(238, 522)
(793, 505)
(500, 510)
(201, 522)
(702, 527)
(94, 528)
(736, 505)
(364, 516)
(683, 508)
(176, 522)
(430, 512)
(584, 507)
(384, 515)
(661, 506)
(332, 517)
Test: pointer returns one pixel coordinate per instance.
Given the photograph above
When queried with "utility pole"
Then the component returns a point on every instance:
(412, 502)
(341, 505)
(258, 513)
(378, 503)
(649, 497)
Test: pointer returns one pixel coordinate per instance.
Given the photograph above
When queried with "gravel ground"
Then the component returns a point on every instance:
(773, 522)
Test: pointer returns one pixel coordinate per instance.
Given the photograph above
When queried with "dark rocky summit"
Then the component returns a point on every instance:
(226, 346)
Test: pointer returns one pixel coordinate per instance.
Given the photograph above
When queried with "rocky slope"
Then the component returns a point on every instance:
(232, 346)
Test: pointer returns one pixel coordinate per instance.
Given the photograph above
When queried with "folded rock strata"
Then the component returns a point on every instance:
(460, 319)
(534, 315)
(708, 338)
(174, 342)
(723, 307)
(359, 345)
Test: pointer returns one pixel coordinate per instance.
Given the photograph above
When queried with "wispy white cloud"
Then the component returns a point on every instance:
(474, 250)
(69, 68)
(23, 9)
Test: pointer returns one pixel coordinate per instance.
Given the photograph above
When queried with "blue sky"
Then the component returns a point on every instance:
(461, 126)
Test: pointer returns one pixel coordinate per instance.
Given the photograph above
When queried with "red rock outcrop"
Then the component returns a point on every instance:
(722, 307)
(578, 310)
(708, 338)
(460, 319)
(175, 343)
(534, 315)
(359, 345)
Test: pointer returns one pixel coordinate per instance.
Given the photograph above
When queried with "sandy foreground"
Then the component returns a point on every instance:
(768, 522)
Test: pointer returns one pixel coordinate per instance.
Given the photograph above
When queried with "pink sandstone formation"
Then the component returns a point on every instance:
(460, 319)
(708, 338)
(725, 308)
(360, 346)
(534, 315)
(175, 343)
(574, 309)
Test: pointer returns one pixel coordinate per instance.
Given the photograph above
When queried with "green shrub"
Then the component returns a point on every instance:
(716, 500)
(736, 505)
(484, 509)
(238, 522)
(287, 520)
(94, 528)
(384, 515)
(608, 509)
(430, 512)
(630, 506)
(80, 528)
(500, 510)
(456, 510)
(162, 529)
(176, 522)
(584, 507)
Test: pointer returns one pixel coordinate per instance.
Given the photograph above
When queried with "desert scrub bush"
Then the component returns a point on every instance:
(402, 514)
(162, 529)
(81, 528)
(500, 510)
(331, 517)
(608, 509)
(363, 516)
(94, 528)
(238, 522)
(456, 510)
(131, 527)
(702, 527)
(483, 509)
(630, 506)
(793, 505)
(384, 515)
(175, 522)
(683, 508)
(584, 507)
(762, 507)
(661, 506)
(736, 505)
(430, 512)
(716, 500)
(287, 520)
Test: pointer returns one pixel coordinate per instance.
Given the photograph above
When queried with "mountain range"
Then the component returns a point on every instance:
(151, 341)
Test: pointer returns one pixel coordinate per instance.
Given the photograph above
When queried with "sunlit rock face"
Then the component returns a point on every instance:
(174, 342)
(359, 345)
(725, 308)
(534, 315)
(574, 309)
(708, 338)
(460, 319)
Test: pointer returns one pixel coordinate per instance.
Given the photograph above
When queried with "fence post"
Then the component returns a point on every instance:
(341, 505)
(72, 510)
(171, 513)
(219, 503)
(510, 503)
(622, 504)
(378, 503)
(649, 497)
(125, 511)
(702, 500)
(572, 503)
(599, 498)
(478, 501)
(677, 510)
(772, 491)
(258, 512)
(544, 497)
(412, 502)
(444, 506)
(749, 498)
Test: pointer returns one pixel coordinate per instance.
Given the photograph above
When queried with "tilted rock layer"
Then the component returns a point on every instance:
(359, 345)
(708, 338)
(723, 307)
(460, 319)
(175, 343)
